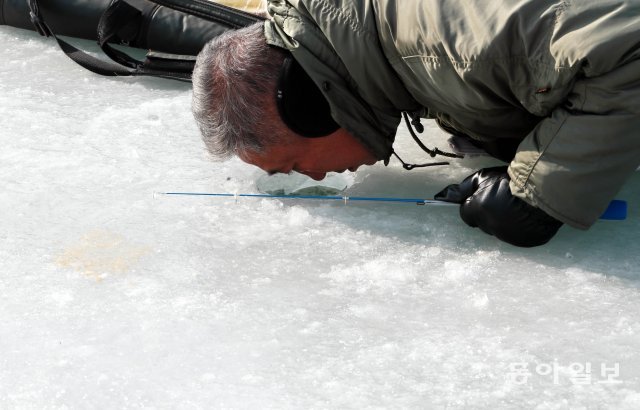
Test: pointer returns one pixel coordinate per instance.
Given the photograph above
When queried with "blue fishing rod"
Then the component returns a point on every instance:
(616, 211)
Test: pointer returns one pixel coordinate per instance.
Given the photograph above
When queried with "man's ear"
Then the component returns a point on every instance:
(301, 104)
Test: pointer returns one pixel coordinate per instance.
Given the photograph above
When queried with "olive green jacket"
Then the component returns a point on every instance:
(561, 76)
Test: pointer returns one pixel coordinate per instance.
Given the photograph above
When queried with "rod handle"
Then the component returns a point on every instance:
(616, 211)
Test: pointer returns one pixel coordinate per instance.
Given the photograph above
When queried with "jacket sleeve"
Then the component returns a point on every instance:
(576, 160)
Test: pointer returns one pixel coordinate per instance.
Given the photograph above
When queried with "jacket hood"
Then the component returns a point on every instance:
(330, 41)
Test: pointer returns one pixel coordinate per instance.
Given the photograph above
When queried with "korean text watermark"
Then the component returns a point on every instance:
(585, 373)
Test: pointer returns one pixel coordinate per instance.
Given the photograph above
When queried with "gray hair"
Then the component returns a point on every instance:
(234, 77)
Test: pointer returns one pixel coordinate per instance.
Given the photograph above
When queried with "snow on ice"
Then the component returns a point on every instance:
(112, 298)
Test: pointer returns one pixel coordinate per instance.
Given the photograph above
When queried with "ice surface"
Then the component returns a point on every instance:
(110, 298)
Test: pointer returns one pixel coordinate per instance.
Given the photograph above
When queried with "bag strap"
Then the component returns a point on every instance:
(121, 14)
(117, 16)
(210, 11)
(85, 60)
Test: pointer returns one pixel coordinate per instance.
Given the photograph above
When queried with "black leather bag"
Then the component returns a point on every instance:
(173, 30)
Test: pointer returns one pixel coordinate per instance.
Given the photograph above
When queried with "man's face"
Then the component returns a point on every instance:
(314, 157)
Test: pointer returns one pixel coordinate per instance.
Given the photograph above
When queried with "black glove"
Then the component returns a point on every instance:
(486, 202)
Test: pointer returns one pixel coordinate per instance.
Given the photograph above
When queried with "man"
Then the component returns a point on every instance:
(556, 82)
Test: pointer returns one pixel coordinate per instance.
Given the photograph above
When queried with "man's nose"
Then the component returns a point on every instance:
(318, 176)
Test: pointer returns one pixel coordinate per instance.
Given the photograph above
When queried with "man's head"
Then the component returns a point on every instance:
(234, 103)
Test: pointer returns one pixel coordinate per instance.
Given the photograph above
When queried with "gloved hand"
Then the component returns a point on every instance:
(486, 202)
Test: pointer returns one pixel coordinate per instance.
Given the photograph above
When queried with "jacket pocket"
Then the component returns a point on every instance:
(546, 92)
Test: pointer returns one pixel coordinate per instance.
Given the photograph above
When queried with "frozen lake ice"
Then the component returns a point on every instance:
(110, 298)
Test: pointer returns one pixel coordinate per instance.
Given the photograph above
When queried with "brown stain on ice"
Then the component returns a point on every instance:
(99, 253)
